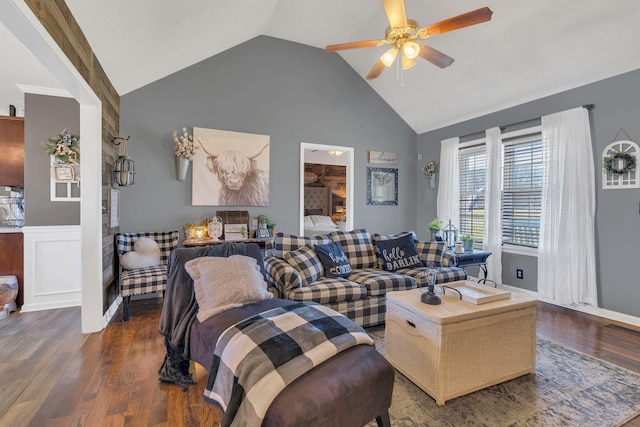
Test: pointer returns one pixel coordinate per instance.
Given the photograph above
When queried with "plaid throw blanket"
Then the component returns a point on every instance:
(257, 357)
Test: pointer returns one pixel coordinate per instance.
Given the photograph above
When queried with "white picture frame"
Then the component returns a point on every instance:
(383, 157)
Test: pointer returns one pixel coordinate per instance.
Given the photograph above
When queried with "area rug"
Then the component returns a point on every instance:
(568, 389)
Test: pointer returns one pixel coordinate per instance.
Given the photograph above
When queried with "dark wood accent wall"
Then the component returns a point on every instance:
(12, 143)
(60, 23)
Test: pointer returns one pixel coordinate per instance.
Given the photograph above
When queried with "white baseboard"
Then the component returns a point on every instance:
(26, 308)
(596, 311)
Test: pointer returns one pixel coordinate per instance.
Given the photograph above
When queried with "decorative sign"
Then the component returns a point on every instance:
(383, 157)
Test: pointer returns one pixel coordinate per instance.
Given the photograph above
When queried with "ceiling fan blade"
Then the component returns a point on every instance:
(395, 12)
(435, 56)
(376, 70)
(465, 20)
(354, 45)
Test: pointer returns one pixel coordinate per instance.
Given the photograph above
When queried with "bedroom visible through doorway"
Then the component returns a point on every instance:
(326, 182)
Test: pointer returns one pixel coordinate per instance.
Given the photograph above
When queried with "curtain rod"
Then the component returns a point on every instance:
(503, 127)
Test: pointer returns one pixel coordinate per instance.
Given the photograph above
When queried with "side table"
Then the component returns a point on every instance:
(474, 257)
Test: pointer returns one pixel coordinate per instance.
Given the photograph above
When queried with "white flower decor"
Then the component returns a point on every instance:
(184, 144)
(429, 169)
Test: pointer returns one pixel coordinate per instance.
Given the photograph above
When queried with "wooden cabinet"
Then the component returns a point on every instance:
(12, 159)
(12, 260)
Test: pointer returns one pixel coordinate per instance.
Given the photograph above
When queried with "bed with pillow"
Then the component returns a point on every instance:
(317, 225)
(217, 306)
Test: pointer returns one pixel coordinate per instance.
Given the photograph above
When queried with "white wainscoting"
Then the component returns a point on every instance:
(52, 260)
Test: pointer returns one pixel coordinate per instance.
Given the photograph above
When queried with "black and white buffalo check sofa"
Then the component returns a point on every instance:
(138, 281)
(297, 273)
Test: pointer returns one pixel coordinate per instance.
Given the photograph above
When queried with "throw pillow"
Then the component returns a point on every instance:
(398, 253)
(145, 253)
(223, 283)
(283, 243)
(334, 260)
(431, 253)
(379, 237)
(307, 263)
(357, 246)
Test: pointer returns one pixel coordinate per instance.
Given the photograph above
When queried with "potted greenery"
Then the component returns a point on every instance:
(435, 227)
(468, 241)
(263, 221)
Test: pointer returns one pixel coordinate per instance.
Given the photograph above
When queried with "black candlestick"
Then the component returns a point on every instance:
(430, 297)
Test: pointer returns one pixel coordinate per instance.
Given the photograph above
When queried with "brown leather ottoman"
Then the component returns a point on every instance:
(348, 390)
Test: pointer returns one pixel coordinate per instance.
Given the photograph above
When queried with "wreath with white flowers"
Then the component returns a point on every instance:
(629, 163)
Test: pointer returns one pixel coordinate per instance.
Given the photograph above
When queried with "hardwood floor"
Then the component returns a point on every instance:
(52, 375)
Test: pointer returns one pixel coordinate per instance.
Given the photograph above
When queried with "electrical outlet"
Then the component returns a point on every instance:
(519, 273)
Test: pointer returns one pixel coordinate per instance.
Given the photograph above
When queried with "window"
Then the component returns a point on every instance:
(521, 189)
(472, 163)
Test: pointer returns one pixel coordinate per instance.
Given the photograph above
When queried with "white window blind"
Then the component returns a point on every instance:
(472, 163)
(522, 187)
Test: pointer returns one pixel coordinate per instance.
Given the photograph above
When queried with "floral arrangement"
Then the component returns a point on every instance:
(429, 169)
(184, 144)
(65, 147)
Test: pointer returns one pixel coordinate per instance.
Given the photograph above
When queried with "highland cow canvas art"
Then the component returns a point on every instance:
(230, 168)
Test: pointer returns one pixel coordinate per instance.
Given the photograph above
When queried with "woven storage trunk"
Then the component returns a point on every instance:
(457, 347)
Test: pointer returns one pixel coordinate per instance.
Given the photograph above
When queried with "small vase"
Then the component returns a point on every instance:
(182, 167)
(435, 235)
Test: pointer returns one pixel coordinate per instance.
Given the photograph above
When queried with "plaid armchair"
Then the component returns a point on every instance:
(140, 281)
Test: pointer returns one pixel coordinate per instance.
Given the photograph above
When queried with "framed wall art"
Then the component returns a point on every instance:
(382, 186)
(383, 157)
(230, 168)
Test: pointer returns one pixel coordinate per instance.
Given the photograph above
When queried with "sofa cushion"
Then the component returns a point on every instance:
(442, 274)
(358, 247)
(431, 253)
(307, 263)
(379, 282)
(334, 260)
(398, 253)
(326, 291)
(283, 243)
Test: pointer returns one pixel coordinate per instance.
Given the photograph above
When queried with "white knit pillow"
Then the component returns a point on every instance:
(145, 253)
(224, 283)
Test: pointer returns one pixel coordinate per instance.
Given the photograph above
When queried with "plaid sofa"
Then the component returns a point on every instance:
(362, 295)
(140, 281)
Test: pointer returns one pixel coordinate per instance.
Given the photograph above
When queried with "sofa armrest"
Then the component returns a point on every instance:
(281, 275)
(449, 260)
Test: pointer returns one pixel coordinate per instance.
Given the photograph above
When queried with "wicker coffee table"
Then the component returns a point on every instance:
(457, 347)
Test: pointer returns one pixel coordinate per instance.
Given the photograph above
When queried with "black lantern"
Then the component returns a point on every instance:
(124, 168)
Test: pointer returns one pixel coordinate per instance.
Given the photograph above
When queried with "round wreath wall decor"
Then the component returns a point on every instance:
(629, 163)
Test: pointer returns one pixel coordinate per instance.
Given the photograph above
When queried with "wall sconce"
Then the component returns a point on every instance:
(124, 169)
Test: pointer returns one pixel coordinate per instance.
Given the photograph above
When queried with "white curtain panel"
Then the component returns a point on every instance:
(566, 249)
(449, 183)
(492, 239)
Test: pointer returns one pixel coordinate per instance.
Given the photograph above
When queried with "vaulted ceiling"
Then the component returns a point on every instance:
(528, 50)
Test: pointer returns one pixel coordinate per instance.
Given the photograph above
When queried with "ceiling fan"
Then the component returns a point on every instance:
(403, 32)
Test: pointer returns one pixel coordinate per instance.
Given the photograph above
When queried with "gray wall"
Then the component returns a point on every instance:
(617, 232)
(292, 92)
(46, 117)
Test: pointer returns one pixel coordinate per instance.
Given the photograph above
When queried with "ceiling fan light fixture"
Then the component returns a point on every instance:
(411, 49)
(389, 56)
(407, 62)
